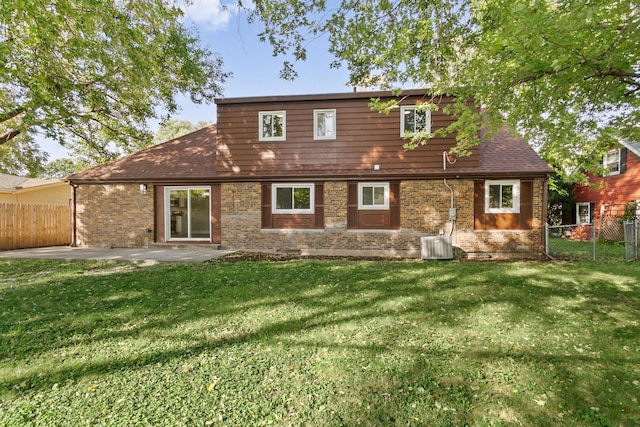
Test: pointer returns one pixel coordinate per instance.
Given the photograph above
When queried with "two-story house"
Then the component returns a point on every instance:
(323, 174)
(603, 201)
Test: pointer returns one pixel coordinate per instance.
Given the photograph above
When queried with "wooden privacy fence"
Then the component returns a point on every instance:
(26, 225)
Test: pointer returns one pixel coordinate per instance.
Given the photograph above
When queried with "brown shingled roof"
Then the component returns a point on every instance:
(192, 157)
(187, 158)
(503, 153)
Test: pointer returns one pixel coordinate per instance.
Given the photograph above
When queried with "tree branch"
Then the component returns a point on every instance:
(540, 74)
(11, 114)
(9, 135)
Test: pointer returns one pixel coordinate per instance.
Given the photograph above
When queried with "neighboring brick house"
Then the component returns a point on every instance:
(603, 201)
(323, 174)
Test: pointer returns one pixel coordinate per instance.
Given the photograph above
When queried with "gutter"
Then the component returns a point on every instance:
(378, 176)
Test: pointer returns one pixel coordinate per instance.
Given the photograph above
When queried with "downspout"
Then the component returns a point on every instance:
(452, 213)
(545, 205)
(451, 208)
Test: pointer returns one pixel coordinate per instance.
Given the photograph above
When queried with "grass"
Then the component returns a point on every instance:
(320, 342)
(568, 249)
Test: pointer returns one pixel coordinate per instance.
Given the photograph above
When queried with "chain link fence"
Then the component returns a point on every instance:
(574, 241)
(580, 242)
(631, 230)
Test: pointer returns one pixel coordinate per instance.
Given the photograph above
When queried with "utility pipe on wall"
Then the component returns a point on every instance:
(445, 160)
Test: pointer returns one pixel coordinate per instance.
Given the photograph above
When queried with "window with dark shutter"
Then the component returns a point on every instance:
(293, 205)
(373, 205)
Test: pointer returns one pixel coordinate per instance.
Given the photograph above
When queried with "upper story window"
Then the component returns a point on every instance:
(502, 196)
(611, 162)
(273, 125)
(373, 195)
(292, 198)
(414, 119)
(324, 124)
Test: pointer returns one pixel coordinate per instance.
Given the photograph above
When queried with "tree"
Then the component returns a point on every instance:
(22, 157)
(174, 128)
(92, 73)
(60, 168)
(564, 74)
(101, 151)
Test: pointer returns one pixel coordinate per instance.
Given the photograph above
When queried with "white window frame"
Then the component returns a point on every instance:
(262, 115)
(316, 113)
(515, 183)
(362, 206)
(578, 206)
(415, 109)
(606, 163)
(274, 199)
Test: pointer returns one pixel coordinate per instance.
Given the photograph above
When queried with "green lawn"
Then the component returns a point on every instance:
(320, 343)
(567, 249)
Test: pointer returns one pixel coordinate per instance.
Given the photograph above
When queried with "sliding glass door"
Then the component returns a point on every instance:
(188, 213)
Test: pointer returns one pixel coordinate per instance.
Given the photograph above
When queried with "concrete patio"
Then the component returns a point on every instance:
(153, 254)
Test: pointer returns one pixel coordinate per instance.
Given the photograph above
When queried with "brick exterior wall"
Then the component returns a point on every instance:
(424, 212)
(118, 215)
(114, 215)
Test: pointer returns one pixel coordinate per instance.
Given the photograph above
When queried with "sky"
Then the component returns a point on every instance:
(255, 70)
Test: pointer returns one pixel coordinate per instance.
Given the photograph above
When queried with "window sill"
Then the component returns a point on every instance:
(291, 230)
(506, 230)
(373, 230)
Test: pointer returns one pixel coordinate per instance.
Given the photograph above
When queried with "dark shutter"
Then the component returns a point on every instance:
(526, 205)
(623, 160)
(319, 205)
(394, 205)
(352, 205)
(478, 205)
(266, 206)
(592, 208)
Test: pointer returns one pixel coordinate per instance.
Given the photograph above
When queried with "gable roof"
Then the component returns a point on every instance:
(186, 158)
(12, 183)
(503, 153)
(192, 158)
(632, 146)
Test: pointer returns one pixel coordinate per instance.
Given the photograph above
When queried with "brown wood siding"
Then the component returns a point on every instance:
(504, 221)
(299, 221)
(364, 138)
(159, 220)
(367, 219)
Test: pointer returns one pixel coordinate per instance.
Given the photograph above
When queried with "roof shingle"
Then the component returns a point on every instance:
(189, 157)
(192, 157)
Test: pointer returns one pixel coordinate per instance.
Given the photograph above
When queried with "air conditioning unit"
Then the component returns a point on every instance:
(436, 247)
